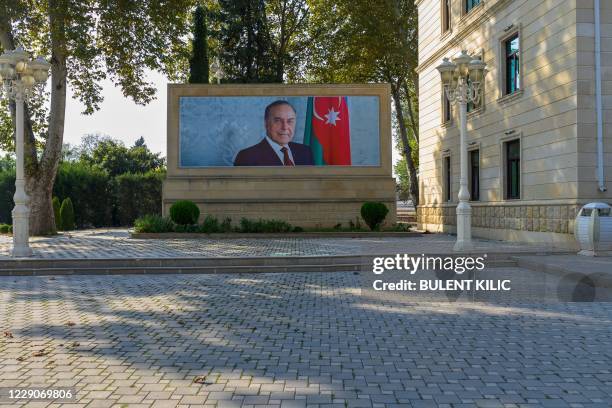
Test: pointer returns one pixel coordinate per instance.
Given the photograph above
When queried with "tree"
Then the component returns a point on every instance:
(244, 42)
(115, 158)
(364, 41)
(198, 64)
(287, 22)
(86, 42)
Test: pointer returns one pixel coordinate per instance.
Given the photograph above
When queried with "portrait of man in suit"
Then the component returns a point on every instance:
(277, 148)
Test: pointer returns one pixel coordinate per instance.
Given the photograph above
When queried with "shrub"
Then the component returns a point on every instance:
(153, 223)
(184, 212)
(56, 212)
(5, 228)
(374, 214)
(137, 195)
(250, 226)
(226, 225)
(67, 215)
(210, 225)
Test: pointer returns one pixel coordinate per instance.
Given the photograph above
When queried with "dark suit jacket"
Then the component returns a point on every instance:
(262, 154)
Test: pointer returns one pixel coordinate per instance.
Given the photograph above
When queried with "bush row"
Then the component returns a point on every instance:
(98, 200)
(211, 225)
(184, 216)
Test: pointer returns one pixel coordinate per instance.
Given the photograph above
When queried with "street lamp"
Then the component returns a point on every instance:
(19, 74)
(458, 89)
(217, 70)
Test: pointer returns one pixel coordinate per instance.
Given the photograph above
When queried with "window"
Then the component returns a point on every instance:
(474, 175)
(446, 16)
(513, 169)
(447, 179)
(470, 4)
(512, 66)
(446, 109)
(471, 106)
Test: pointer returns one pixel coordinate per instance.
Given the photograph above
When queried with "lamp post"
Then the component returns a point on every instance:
(19, 74)
(458, 89)
(217, 71)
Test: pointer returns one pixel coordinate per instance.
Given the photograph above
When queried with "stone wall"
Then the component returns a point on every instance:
(537, 218)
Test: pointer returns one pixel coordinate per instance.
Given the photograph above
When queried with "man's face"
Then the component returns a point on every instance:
(280, 124)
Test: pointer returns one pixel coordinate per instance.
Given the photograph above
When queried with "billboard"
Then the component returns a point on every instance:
(264, 131)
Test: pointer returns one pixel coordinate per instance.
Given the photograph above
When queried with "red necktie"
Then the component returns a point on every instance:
(286, 160)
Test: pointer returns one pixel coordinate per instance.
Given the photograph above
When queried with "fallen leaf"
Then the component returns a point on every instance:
(75, 344)
(70, 323)
(22, 358)
(182, 323)
(200, 380)
(41, 353)
(8, 334)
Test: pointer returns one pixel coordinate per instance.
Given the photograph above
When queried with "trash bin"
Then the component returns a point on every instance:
(593, 229)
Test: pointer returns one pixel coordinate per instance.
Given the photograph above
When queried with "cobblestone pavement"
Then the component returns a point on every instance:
(115, 243)
(294, 340)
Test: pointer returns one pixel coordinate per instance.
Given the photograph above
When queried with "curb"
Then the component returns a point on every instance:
(601, 279)
(263, 235)
(83, 266)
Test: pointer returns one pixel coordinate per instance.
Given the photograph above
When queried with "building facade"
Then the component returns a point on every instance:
(535, 152)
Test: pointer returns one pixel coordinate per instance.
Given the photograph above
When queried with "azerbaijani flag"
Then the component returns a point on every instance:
(327, 130)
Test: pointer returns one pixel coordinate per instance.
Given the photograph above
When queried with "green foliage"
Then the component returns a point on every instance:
(5, 228)
(67, 215)
(262, 40)
(137, 195)
(90, 188)
(56, 212)
(153, 224)
(184, 212)
(252, 226)
(115, 158)
(374, 214)
(198, 64)
(246, 50)
(7, 191)
(7, 162)
(211, 225)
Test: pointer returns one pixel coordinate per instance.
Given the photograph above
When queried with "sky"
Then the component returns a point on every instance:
(120, 118)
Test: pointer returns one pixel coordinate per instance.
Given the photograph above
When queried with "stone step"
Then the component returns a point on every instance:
(39, 267)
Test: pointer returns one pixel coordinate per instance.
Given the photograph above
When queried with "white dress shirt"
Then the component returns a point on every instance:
(277, 149)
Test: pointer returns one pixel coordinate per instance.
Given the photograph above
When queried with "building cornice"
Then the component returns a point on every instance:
(466, 26)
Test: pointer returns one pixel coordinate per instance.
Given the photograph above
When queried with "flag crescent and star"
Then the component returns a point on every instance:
(327, 130)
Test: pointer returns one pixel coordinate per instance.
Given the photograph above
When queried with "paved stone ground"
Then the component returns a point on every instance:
(115, 243)
(294, 340)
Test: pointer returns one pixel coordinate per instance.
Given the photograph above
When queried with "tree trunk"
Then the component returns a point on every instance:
(40, 179)
(42, 217)
(413, 188)
(413, 124)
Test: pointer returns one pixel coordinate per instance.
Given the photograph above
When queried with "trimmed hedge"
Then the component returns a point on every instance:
(90, 192)
(138, 195)
(7, 191)
(56, 212)
(98, 199)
